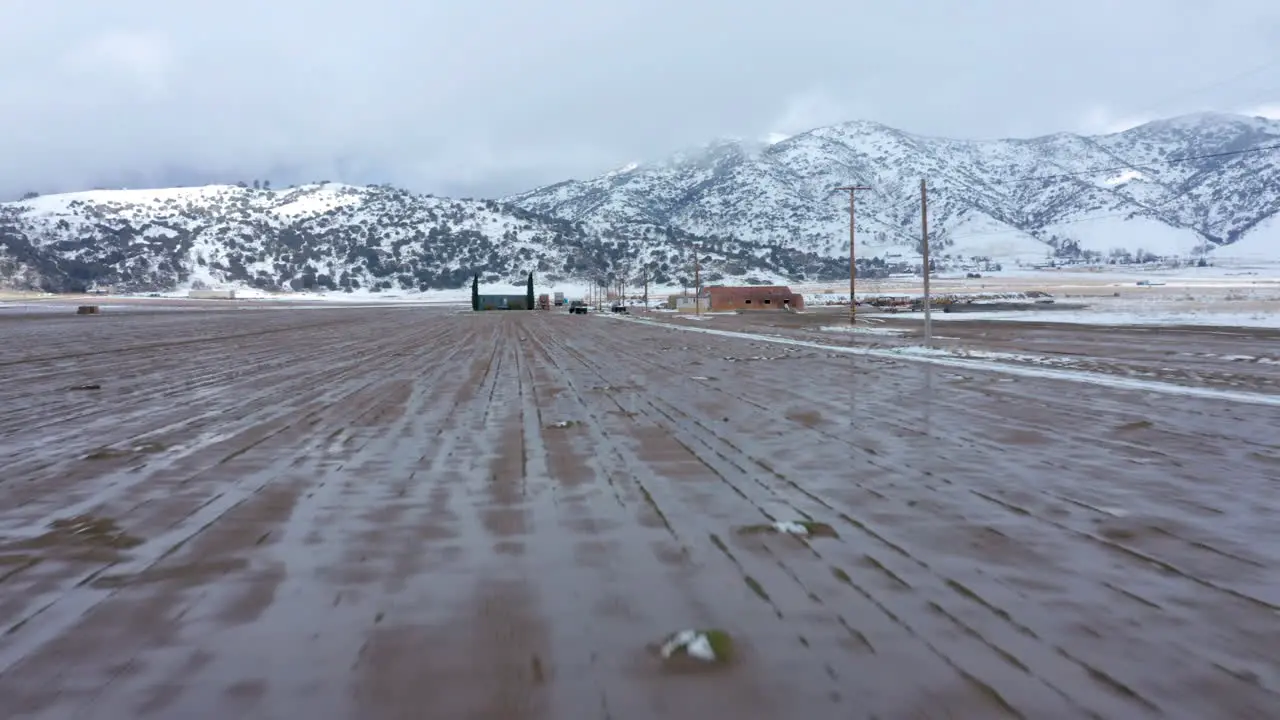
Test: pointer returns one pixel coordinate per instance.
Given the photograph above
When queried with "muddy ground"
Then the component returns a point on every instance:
(428, 513)
(1200, 356)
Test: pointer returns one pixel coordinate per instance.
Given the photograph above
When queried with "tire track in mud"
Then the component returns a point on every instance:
(214, 426)
(958, 432)
(159, 345)
(79, 600)
(779, 575)
(481, 474)
(182, 387)
(367, 575)
(363, 522)
(204, 371)
(972, 645)
(246, 588)
(670, 578)
(1114, 356)
(1085, 418)
(60, 368)
(1024, 601)
(1237, 674)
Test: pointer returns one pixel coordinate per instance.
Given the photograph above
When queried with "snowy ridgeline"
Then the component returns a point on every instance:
(1007, 203)
(758, 213)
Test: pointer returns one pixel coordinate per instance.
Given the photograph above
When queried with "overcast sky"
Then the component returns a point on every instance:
(485, 97)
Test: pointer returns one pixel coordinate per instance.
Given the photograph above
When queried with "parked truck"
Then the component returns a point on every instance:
(544, 302)
(559, 299)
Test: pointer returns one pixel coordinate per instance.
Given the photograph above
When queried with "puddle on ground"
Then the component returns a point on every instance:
(186, 573)
(81, 537)
(808, 418)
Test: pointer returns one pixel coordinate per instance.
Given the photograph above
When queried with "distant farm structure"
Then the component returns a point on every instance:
(746, 298)
(503, 301)
(754, 297)
(211, 294)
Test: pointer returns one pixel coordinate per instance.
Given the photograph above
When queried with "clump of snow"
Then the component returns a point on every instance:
(705, 645)
(1124, 177)
(790, 528)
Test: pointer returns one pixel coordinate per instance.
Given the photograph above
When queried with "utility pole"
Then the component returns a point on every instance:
(697, 282)
(924, 256)
(853, 272)
(646, 286)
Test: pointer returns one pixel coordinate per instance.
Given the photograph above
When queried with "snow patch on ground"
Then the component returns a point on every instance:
(790, 528)
(1260, 319)
(862, 329)
(694, 643)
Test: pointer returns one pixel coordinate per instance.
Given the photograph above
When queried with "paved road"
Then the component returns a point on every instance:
(424, 513)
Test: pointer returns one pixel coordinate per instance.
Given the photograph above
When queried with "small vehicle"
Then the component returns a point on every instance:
(578, 307)
(618, 308)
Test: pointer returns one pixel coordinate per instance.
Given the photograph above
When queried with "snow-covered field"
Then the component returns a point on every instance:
(1237, 296)
(1263, 318)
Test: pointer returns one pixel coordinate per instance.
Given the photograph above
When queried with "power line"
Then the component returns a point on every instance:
(1138, 166)
(1094, 171)
(1210, 86)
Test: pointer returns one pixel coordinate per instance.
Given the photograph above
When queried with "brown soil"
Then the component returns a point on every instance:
(378, 513)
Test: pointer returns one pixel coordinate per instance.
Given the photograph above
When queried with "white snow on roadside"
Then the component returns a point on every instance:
(992, 363)
(863, 330)
(1094, 317)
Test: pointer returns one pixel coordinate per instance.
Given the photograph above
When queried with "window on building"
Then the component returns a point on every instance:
(767, 301)
(748, 302)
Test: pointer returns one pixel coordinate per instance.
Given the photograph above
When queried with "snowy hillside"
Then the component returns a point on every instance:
(336, 236)
(756, 212)
(1013, 200)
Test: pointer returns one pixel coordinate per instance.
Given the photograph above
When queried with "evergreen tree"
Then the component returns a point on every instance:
(475, 291)
(528, 293)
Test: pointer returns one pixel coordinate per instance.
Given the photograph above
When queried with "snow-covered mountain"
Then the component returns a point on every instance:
(338, 236)
(1021, 200)
(757, 212)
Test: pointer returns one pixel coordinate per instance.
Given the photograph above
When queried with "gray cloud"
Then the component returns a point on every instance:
(482, 98)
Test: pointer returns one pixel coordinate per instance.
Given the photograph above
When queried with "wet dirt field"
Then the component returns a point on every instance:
(1200, 356)
(429, 513)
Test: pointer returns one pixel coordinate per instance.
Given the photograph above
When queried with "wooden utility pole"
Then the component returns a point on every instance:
(924, 256)
(853, 268)
(697, 282)
(646, 286)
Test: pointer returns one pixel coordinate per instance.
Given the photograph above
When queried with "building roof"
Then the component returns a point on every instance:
(781, 288)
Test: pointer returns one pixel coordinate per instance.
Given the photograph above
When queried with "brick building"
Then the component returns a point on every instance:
(754, 297)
